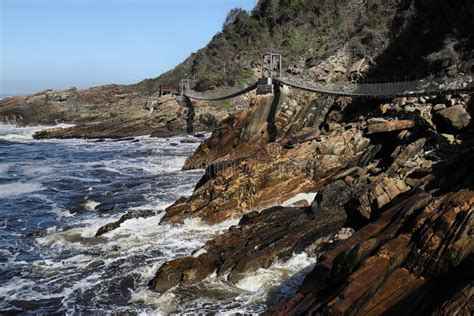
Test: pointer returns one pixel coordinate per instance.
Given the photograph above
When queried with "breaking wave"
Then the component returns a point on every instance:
(55, 194)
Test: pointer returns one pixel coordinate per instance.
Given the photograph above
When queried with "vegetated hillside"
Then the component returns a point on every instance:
(415, 36)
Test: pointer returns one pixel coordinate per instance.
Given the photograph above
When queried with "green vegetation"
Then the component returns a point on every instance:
(304, 31)
(226, 104)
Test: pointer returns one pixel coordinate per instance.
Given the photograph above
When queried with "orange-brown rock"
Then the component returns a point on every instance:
(266, 119)
(408, 196)
(389, 126)
(237, 136)
(270, 176)
(392, 261)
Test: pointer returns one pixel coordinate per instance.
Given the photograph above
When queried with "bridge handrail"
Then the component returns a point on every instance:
(223, 96)
(426, 86)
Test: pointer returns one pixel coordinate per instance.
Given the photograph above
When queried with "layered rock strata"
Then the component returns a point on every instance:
(394, 175)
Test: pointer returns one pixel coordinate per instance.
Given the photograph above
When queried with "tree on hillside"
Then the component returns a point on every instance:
(232, 17)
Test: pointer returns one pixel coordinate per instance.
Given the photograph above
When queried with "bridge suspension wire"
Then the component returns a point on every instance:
(426, 86)
(222, 96)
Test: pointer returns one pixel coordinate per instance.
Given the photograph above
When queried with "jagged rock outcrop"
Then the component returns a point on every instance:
(388, 265)
(270, 176)
(397, 262)
(266, 120)
(237, 136)
(403, 187)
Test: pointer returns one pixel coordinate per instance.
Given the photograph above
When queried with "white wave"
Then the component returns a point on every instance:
(162, 164)
(249, 295)
(90, 205)
(309, 197)
(276, 274)
(10, 132)
(156, 164)
(19, 188)
(73, 259)
(15, 284)
(133, 237)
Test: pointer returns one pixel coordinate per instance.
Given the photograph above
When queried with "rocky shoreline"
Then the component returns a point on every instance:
(110, 112)
(399, 176)
(392, 217)
(395, 175)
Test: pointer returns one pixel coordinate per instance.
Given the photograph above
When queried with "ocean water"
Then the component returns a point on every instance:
(55, 194)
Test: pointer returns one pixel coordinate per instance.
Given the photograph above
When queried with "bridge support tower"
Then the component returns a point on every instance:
(271, 68)
(184, 87)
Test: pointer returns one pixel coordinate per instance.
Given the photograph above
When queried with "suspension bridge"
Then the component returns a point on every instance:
(272, 79)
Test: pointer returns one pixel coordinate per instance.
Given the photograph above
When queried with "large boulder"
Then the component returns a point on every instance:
(455, 117)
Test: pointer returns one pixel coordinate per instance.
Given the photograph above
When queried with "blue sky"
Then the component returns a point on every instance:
(83, 43)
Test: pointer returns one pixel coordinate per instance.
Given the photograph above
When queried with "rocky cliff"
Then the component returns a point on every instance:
(398, 176)
(395, 172)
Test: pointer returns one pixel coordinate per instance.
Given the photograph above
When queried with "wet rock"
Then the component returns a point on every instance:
(105, 207)
(132, 214)
(189, 141)
(40, 233)
(124, 139)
